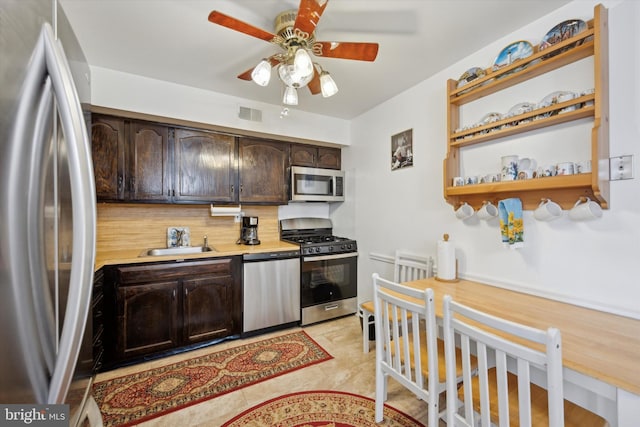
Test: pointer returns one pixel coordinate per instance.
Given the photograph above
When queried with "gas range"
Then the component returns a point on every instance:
(328, 269)
(314, 235)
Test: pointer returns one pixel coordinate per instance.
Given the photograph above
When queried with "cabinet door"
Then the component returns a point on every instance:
(149, 162)
(264, 171)
(207, 308)
(329, 158)
(303, 155)
(108, 152)
(315, 157)
(147, 319)
(205, 167)
(97, 318)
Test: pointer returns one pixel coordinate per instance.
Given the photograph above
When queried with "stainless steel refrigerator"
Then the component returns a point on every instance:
(48, 211)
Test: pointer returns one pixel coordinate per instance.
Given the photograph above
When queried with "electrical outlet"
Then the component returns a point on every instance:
(621, 167)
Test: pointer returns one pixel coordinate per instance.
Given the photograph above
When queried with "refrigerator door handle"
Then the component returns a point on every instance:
(84, 215)
(37, 355)
(44, 305)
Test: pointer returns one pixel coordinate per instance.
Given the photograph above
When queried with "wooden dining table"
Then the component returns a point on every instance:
(601, 351)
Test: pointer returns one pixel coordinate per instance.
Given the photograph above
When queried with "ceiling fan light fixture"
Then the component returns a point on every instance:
(295, 36)
(261, 74)
(327, 85)
(290, 96)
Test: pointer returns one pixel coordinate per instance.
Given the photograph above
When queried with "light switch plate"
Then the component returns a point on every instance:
(621, 167)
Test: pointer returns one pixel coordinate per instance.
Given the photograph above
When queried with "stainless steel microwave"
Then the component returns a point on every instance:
(316, 185)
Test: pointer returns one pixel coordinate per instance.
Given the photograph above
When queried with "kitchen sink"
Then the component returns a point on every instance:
(183, 250)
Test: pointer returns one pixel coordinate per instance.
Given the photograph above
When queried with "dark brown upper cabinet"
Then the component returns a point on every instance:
(315, 157)
(108, 152)
(205, 167)
(139, 161)
(264, 171)
(148, 162)
(149, 168)
(130, 160)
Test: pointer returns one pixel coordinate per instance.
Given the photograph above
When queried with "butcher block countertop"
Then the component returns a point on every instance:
(132, 256)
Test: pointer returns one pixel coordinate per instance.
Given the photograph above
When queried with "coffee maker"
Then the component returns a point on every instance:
(249, 231)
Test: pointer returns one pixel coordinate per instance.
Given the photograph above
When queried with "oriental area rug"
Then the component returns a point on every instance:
(134, 398)
(320, 409)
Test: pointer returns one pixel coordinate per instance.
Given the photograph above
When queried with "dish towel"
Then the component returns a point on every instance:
(510, 211)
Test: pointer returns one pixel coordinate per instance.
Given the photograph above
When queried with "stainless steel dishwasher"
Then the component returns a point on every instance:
(271, 290)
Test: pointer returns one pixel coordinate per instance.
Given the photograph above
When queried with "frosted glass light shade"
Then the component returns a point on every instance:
(327, 85)
(290, 96)
(292, 77)
(262, 73)
(302, 63)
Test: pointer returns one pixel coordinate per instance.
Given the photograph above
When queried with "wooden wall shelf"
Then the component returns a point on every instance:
(564, 190)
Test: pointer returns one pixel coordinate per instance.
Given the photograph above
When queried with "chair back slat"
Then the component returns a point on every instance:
(405, 325)
(499, 358)
(409, 266)
(524, 392)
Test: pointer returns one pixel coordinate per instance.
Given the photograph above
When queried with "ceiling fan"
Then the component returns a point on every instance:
(295, 35)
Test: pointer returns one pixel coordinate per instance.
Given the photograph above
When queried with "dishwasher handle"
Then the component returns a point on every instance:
(270, 256)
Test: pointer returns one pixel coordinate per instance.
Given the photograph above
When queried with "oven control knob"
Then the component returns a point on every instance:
(318, 249)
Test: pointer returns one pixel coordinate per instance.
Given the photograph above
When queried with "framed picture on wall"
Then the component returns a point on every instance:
(402, 150)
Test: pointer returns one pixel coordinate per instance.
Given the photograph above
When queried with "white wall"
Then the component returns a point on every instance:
(591, 263)
(115, 89)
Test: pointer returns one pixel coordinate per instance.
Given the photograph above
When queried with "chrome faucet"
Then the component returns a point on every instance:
(206, 242)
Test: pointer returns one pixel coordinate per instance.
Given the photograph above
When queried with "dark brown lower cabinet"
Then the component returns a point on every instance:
(147, 319)
(205, 307)
(162, 307)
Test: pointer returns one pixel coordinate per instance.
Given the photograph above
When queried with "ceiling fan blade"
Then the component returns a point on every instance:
(246, 75)
(235, 24)
(274, 60)
(346, 50)
(314, 84)
(309, 14)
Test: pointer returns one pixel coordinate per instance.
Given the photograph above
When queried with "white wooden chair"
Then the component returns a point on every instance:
(407, 266)
(411, 358)
(496, 395)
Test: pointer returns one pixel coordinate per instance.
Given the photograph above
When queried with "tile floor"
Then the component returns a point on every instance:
(350, 370)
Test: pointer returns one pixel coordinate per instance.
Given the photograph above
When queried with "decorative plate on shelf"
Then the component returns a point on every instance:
(521, 108)
(490, 118)
(563, 31)
(513, 52)
(556, 98)
(470, 75)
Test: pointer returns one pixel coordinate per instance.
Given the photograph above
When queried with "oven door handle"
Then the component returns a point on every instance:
(330, 257)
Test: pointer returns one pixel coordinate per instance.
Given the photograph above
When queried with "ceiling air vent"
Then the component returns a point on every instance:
(252, 114)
